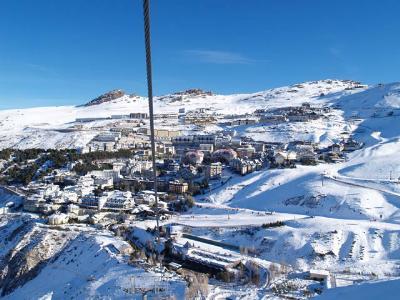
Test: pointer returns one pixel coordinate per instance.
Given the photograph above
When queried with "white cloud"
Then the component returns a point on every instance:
(218, 57)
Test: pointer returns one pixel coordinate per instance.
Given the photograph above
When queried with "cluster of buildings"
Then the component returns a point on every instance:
(186, 162)
(46, 198)
(139, 140)
(84, 197)
(303, 113)
(193, 158)
(137, 116)
(310, 153)
(106, 141)
(185, 165)
(201, 116)
(245, 166)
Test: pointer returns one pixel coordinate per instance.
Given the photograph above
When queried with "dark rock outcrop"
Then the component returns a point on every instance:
(107, 97)
(194, 92)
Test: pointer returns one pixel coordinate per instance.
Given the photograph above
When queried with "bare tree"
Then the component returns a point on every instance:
(197, 285)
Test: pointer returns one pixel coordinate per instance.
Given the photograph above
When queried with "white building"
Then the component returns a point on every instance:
(214, 170)
(110, 174)
(108, 136)
(323, 275)
(223, 140)
(73, 209)
(305, 153)
(117, 200)
(111, 200)
(119, 166)
(139, 116)
(336, 148)
(209, 148)
(58, 219)
(283, 157)
(273, 119)
(145, 197)
(165, 148)
(50, 190)
(182, 140)
(90, 201)
(138, 166)
(32, 203)
(103, 182)
(246, 151)
(70, 196)
(205, 139)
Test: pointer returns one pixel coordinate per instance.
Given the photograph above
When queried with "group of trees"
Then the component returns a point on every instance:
(20, 156)
(5, 154)
(183, 204)
(59, 157)
(86, 167)
(273, 224)
(100, 155)
(86, 160)
(197, 188)
(28, 162)
(21, 175)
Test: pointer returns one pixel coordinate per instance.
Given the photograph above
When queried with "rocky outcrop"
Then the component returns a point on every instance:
(194, 92)
(184, 95)
(30, 249)
(107, 97)
(18, 267)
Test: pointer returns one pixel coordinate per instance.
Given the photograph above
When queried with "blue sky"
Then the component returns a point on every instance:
(60, 52)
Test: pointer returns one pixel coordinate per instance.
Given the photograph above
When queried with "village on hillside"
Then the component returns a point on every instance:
(108, 183)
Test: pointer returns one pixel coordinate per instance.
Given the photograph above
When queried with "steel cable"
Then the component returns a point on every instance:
(146, 15)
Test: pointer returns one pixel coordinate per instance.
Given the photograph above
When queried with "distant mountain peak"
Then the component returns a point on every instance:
(107, 97)
(181, 95)
(194, 92)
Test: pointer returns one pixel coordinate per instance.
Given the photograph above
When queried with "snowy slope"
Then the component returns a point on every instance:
(362, 187)
(356, 203)
(342, 217)
(70, 262)
(387, 290)
(38, 127)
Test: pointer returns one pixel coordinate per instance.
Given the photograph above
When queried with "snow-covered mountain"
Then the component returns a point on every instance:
(47, 127)
(342, 217)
